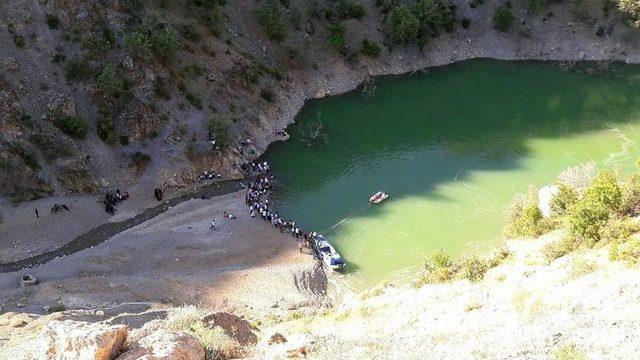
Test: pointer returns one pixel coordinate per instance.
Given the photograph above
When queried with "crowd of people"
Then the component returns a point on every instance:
(111, 201)
(258, 207)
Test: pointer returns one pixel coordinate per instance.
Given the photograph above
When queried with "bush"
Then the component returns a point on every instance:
(558, 249)
(78, 70)
(434, 16)
(336, 36)
(109, 83)
(465, 23)
(618, 230)
(74, 126)
(474, 269)
(140, 160)
(164, 43)
(601, 200)
(267, 94)
(535, 6)
(503, 19)
(631, 10)
(630, 189)
(52, 21)
(347, 9)
(99, 41)
(370, 48)
(218, 129)
(106, 130)
(51, 147)
(524, 218)
(194, 100)
(402, 25)
(563, 200)
(272, 20)
(139, 45)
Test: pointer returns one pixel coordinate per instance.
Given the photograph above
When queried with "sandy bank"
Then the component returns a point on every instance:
(176, 258)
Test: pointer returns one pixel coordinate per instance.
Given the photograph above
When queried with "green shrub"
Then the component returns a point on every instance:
(218, 129)
(213, 20)
(140, 160)
(631, 10)
(630, 190)
(336, 36)
(164, 43)
(524, 218)
(434, 16)
(52, 21)
(558, 249)
(267, 94)
(402, 25)
(139, 45)
(618, 229)
(569, 352)
(271, 17)
(563, 200)
(474, 269)
(536, 6)
(503, 19)
(99, 41)
(348, 9)
(78, 70)
(19, 41)
(602, 199)
(51, 147)
(370, 48)
(194, 70)
(109, 83)
(74, 126)
(466, 22)
(106, 130)
(628, 251)
(190, 31)
(194, 100)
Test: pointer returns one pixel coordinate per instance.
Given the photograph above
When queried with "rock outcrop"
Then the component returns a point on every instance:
(77, 340)
(165, 345)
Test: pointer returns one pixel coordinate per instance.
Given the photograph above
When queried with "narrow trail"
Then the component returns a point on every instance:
(105, 231)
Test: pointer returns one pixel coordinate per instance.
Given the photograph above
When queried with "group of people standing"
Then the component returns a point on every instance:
(259, 187)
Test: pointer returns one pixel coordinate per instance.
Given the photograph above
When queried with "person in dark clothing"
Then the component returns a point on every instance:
(64, 206)
(37, 215)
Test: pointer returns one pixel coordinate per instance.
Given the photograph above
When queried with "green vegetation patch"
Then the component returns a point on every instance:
(74, 126)
(271, 17)
(503, 18)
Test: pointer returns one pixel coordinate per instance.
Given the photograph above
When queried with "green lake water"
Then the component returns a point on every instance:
(452, 147)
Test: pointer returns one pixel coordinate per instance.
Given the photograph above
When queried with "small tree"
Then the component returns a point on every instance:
(272, 19)
(138, 44)
(164, 43)
(218, 128)
(74, 126)
(110, 83)
(370, 48)
(336, 36)
(503, 19)
(402, 25)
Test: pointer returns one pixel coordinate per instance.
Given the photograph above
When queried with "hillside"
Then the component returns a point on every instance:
(108, 94)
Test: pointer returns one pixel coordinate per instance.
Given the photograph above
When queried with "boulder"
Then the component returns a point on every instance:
(545, 198)
(163, 344)
(62, 106)
(66, 340)
(277, 338)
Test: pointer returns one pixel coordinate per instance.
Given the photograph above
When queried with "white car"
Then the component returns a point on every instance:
(328, 254)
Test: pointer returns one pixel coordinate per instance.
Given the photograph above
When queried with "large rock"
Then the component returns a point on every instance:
(62, 106)
(545, 198)
(67, 340)
(162, 345)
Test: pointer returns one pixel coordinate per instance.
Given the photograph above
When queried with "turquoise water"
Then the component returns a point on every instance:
(452, 147)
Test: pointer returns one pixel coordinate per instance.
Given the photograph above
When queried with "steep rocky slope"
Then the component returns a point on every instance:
(106, 93)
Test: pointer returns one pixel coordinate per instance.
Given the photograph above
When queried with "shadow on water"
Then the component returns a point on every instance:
(424, 131)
